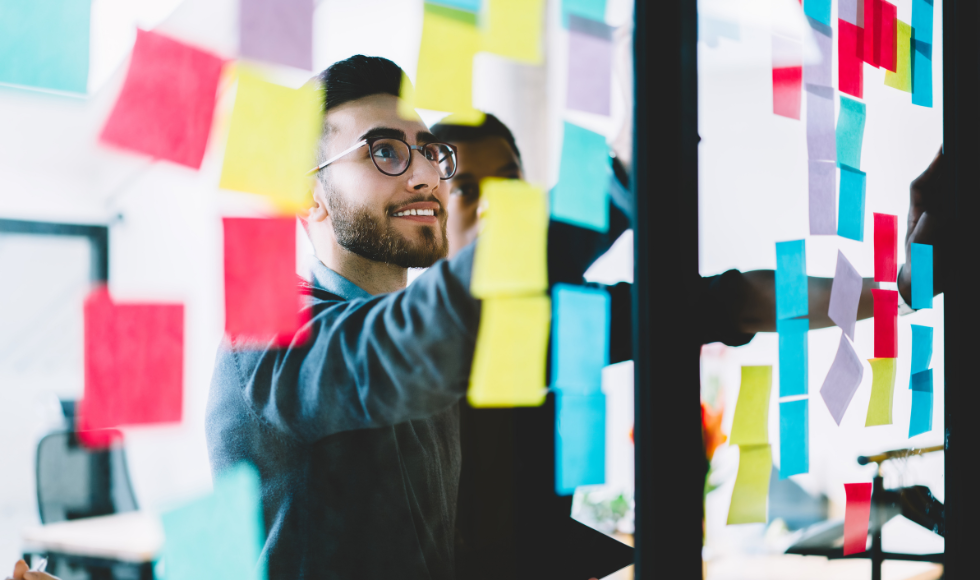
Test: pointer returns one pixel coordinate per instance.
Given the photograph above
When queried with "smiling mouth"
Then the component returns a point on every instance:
(415, 212)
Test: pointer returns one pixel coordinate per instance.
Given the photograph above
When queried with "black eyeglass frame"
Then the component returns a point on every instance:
(370, 143)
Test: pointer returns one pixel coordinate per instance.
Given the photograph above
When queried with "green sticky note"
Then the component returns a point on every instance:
(45, 44)
(751, 485)
(513, 29)
(882, 391)
(901, 79)
(751, 423)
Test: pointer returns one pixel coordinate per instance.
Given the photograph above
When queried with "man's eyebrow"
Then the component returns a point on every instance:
(512, 166)
(383, 133)
(425, 137)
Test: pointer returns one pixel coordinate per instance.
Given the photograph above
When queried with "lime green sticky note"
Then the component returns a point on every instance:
(751, 423)
(513, 29)
(272, 141)
(882, 391)
(751, 485)
(901, 79)
(511, 254)
(511, 346)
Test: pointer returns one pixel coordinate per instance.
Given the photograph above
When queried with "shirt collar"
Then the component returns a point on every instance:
(327, 279)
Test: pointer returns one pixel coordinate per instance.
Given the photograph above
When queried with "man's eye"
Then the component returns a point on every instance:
(469, 191)
(385, 152)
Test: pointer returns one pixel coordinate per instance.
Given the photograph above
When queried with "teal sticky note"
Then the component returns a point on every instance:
(591, 9)
(850, 132)
(580, 338)
(470, 5)
(850, 206)
(581, 195)
(921, 73)
(794, 438)
(45, 44)
(921, 419)
(921, 348)
(580, 441)
(793, 356)
(818, 10)
(791, 282)
(922, 381)
(922, 16)
(219, 536)
(921, 266)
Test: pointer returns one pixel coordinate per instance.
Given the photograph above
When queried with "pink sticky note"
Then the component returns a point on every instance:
(134, 364)
(872, 31)
(888, 29)
(886, 323)
(850, 51)
(886, 247)
(857, 515)
(787, 90)
(842, 380)
(262, 295)
(167, 101)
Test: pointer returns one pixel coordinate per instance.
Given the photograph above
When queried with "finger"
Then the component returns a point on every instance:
(38, 576)
(19, 569)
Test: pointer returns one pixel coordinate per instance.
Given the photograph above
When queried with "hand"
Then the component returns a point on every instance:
(925, 223)
(23, 572)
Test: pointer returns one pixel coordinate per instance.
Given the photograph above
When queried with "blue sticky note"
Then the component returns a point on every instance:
(470, 5)
(794, 438)
(922, 381)
(921, 266)
(45, 44)
(818, 10)
(581, 195)
(580, 441)
(921, 73)
(850, 132)
(793, 356)
(791, 283)
(591, 9)
(921, 348)
(921, 419)
(850, 217)
(580, 339)
(922, 15)
(221, 535)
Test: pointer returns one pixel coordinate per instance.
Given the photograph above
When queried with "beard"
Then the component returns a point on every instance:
(359, 231)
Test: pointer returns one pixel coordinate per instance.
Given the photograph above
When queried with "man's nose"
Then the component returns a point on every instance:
(424, 175)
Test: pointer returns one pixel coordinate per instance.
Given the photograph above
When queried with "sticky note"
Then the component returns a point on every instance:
(590, 57)
(821, 134)
(470, 5)
(922, 397)
(920, 264)
(272, 141)
(750, 425)
(886, 247)
(921, 73)
(134, 362)
(581, 194)
(888, 37)
(513, 29)
(580, 344)
(262, 299)
(794, 438)
(921, 348)
(511, 254)
(167, 101)
(886, 323)
(872, 32)
(591, 9)
(851, 11)
(277, 31)
(793, 369)
(818, 10)
(45, 45)
(791, 281)
(882, 391)
(922, 16)
(850, 60)
(850, 132)
(819, 73)
(787, 76)
(220, 535)
(850, 219)
(857, 514)
(751, 485)
(822, 177)
(580, 441)
(922, 381)
(845, 295)
(901, 79)
(842, 380)
(511, 350)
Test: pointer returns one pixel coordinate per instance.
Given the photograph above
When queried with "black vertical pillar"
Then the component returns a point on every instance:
(670, 464)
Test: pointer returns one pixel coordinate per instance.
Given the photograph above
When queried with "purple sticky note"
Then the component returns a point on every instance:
(851, 11)
(820, 73)
(821, 124)
(823, 198)
(845, 295)
(278, 31)
(842, 380)
(590, 56)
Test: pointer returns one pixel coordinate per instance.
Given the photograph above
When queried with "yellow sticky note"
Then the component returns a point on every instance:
(882, 391)
(512, 251)
(513, 29)
(272, 141)
(751, 485)
(751, 423)
(511, 349)
(901, 79)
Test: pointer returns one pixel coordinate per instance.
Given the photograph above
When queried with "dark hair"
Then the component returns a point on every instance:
(491, 127)
(357, 77)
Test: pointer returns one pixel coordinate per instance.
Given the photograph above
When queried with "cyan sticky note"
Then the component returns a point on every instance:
(580, 339)
(581, 195)
(921, 265)
(922, 15)
(921, 73)
(850, 206)
(794, 438)
(218, 536)
(921, 419)
(45, 44)
(791, 283)
(591, 9)
(922, 381)
(921, 348)
(793, 356)
(580, 441)
(850, 131)
(818, 10)
(470, 5)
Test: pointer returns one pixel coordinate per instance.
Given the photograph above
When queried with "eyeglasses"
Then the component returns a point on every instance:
(393, 156)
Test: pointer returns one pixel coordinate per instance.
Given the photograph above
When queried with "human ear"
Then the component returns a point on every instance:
(318, 210)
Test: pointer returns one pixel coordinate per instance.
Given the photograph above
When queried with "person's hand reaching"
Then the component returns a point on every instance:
(23, 572)
(925, 224)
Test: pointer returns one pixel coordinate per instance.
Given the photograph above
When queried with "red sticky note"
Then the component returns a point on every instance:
(134, 364)
(167, 101)
(262, 294)
(888, 34)
(872, 31)
(857, 514)
(850, 51)
(787, 90)
(886, 323)
(886, 247)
